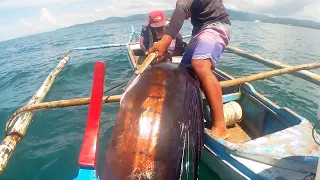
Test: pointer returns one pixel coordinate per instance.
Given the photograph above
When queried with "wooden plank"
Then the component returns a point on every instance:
(238, 134)
(258, 102)
(263, 120)
(140, 59)
(225, 169)
(231, 97)
(131, 57)
(89, 151)
(146, 63)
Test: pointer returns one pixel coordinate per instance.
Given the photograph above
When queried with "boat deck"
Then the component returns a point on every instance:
(239, 134)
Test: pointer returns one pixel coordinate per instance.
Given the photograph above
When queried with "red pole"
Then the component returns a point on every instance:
(89, 151)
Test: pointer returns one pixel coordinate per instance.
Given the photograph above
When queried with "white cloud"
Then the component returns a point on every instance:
(302, 9)
(23, 27)
(98, 10)
(24, 22)
(130, 7)
(45, 22)
(231, 6)
(50, 16)
(30, 3)
(31, 27)
(311, 11)
(46, 16)
(109, 9)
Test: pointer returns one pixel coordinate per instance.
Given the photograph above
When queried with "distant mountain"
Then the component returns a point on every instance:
(242, 16)
(234, 15)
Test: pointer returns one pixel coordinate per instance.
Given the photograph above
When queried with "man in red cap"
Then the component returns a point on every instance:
(154, 30)
(210, 36)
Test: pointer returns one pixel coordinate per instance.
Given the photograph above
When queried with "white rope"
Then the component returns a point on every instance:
(232, 113)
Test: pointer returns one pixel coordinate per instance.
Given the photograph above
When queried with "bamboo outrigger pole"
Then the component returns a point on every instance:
(107, 99)
(306, 75)
(265, 75)
(75, 102)
(59, 104)
(23, 119)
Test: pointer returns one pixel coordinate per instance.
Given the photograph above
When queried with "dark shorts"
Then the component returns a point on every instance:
(207, 44)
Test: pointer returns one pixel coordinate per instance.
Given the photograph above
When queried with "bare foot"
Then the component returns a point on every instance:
(220, 132)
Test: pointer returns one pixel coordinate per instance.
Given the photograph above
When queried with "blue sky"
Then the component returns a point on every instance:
(24, 17)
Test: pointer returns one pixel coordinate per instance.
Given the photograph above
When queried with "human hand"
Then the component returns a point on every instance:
(160, 48)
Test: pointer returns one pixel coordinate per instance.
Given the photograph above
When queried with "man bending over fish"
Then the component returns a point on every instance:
(154, 30)
(210, 36)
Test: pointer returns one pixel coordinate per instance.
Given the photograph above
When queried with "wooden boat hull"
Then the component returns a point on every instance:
(160, 114)
(281, 144)
(270, 142)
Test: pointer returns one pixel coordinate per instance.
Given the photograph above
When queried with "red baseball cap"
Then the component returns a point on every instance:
(157, 19)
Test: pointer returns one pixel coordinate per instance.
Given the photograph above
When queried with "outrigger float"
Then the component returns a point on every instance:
(160, 134)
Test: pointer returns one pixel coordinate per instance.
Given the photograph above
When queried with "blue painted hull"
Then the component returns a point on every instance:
(283, 147)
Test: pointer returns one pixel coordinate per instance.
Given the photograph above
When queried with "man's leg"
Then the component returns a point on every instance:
(212, 89)
(208, 47)
(203, 53)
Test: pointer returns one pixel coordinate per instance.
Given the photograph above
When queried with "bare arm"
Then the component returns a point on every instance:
(179, 15)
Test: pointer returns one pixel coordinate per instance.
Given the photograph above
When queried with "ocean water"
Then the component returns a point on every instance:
(51, 146)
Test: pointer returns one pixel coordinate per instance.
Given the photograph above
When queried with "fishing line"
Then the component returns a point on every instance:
(314, 127)
(120, 84)
(313, 130)
(188, 155)
(116, 87)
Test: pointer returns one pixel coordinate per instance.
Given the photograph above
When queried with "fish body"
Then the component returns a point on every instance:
(160, 119)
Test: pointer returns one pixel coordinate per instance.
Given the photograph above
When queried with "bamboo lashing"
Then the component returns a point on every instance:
(18, 131)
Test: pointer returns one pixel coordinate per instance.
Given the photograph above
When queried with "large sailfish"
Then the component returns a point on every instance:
(160, 121)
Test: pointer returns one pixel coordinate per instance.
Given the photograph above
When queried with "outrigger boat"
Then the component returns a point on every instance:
(266, 142)
(270, 142)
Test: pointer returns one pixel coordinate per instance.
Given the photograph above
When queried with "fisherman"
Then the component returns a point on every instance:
(210, 36)
(154, 30)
